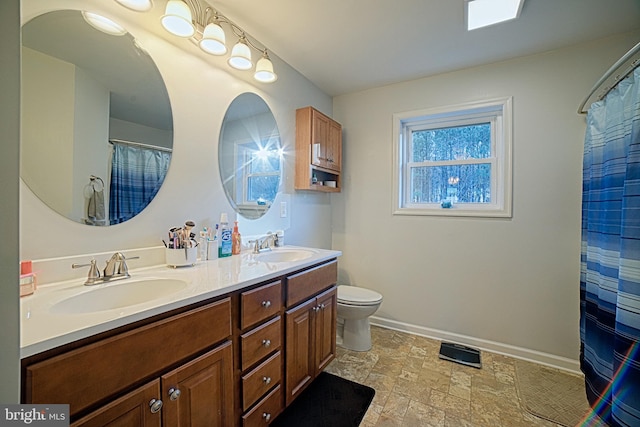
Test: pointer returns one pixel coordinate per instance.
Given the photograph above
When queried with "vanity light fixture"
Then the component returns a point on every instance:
(103, 24)
(137, 5)
(196, 20)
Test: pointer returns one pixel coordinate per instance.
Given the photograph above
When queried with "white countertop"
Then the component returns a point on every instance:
(41, 328)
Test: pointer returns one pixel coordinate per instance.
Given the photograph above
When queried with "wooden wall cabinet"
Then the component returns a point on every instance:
(318, 151)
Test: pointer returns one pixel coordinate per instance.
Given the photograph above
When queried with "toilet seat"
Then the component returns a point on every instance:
(352, 295)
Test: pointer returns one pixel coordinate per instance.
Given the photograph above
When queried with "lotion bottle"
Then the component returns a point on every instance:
(236, 241)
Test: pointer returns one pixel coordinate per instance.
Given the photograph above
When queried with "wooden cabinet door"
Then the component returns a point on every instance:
(334, 146)
(205, 389)
(299, 349)
(319, 135)
(325, 329)
(131, 410)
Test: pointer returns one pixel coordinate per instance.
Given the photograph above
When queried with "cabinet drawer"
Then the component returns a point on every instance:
(87, 375)
(264, 412)
(260, 341)
(259, 304)
(303, 285)
(260, 380)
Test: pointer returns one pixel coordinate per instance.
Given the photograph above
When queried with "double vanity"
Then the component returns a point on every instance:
(226, 342)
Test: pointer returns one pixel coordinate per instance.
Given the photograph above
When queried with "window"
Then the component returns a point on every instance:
(260, 165)
(454, 161)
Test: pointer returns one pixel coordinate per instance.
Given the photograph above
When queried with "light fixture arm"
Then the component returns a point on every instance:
(208, 15)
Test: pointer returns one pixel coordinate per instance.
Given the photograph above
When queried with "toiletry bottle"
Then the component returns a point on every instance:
(236, 241)
(212, 243)
(204, 250)
(225, 237)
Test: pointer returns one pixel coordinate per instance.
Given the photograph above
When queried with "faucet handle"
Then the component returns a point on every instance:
(94, 273)
(123, 268)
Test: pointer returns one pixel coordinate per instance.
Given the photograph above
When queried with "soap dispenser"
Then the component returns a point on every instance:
(236, 241)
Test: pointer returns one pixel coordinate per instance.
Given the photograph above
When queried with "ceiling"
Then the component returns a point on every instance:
(344, 46)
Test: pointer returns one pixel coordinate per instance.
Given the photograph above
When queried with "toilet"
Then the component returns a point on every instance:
(355, 305)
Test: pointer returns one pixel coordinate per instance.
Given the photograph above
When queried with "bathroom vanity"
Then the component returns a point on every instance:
(235, 346)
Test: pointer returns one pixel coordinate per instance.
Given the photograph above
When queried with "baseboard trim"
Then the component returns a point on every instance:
(562, 363)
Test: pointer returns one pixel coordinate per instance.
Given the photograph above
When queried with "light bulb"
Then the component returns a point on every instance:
(264, 70)
(213, 39)
(240, 56)
(137, 5)
(103, 24)
(177, 19)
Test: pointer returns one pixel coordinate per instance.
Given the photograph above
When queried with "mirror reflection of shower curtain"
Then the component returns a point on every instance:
(137, 174)
(610, 256)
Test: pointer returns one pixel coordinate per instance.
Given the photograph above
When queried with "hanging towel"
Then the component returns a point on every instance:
(95, 202)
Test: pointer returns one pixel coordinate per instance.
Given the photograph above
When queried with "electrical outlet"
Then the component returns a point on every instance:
(283, 209)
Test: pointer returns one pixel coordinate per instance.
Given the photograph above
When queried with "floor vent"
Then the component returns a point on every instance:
(460, 354)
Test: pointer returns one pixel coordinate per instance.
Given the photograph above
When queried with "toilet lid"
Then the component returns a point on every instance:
(353, 295)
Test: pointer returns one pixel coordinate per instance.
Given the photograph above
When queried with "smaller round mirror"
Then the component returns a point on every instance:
(250, 156)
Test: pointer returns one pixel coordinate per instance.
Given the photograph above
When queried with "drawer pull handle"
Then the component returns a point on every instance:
(266, 416)
(266, 380)
(155, 405)
(174, 393)
(266, 304)
(266, 343)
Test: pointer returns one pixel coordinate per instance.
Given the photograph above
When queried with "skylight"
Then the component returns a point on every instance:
(482, 13)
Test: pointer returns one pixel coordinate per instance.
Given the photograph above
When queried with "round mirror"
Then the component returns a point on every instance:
(97, 127)
(250, 156)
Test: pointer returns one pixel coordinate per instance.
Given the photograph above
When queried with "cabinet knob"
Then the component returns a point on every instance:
(155, 405)
(174, 393)
(266, 304)
(266, 416)
(266, 343)
(316, 309)
(266, 380)
(322, 307)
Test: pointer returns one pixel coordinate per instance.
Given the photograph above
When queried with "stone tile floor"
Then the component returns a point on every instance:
(416, 388)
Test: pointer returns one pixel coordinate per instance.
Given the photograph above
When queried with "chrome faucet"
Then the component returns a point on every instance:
(265, 243)
(115, 269)
(110, 271)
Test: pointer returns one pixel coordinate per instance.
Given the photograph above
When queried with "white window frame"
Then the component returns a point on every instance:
(497, 112)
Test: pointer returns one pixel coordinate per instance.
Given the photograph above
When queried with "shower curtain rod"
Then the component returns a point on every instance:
(139, 144)
(610, 72)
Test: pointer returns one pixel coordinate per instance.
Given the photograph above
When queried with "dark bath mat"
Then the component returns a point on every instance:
(330, 401)
(460, 354)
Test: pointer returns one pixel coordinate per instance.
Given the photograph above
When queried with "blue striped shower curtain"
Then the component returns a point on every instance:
(610, 256)
(136, 176)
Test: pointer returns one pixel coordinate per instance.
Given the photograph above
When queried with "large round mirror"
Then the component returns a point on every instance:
(250, 156)
(97, 127)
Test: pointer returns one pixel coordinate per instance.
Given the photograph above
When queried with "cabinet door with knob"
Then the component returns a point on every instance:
(199, 393)
(310, 343)
(139, 408)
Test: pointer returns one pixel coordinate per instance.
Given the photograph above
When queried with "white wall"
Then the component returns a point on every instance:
(508, 285)
(200, 89)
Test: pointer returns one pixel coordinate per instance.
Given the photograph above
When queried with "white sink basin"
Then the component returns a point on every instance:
(284, 255)
(110, 296)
